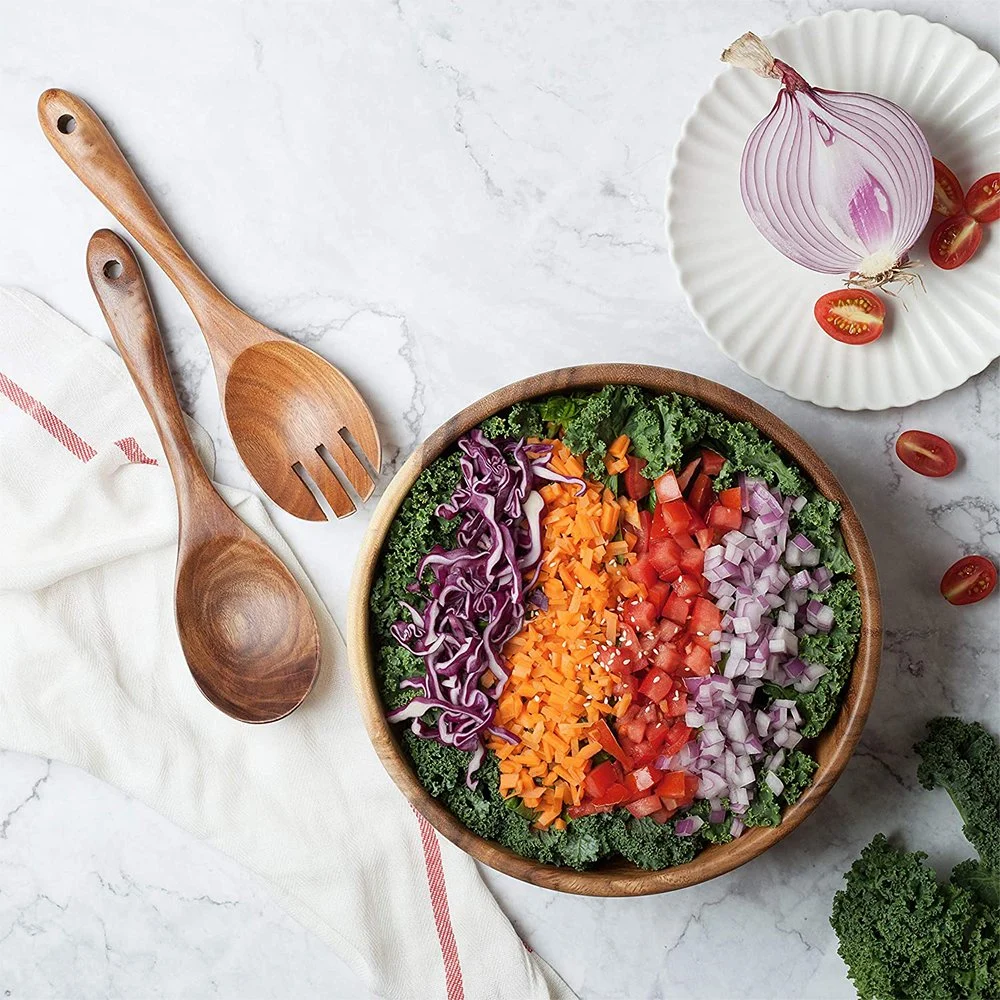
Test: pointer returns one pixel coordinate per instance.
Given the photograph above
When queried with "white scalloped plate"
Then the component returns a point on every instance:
(756, 304)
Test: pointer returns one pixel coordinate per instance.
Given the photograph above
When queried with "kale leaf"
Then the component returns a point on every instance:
(819, 521)
(902, 932)
(963, 759)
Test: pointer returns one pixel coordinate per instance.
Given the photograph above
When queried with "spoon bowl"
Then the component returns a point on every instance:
(246, 628)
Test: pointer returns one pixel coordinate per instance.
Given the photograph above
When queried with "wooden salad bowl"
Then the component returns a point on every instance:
(833, 748)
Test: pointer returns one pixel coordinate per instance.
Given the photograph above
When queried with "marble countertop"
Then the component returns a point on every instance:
(443, 198)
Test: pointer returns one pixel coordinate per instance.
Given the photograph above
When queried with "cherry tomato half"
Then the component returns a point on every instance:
(969, 580)
(955, 241)
(851, 315)
(983, 200)
(926, 453)
(948, 197)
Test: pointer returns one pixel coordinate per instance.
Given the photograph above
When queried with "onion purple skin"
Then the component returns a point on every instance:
(840, 183)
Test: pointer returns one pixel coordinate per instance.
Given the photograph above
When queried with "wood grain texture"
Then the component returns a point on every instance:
(246, 628)
(620, 878)
(283, 402)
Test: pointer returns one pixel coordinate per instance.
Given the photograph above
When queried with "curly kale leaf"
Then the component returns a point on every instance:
(599, 418)
(964, 759)
(904, 935)
(747, 450)
(414, 532)
(819, 521)
(796, 775)
(439, 768)
(647, 843)
(518, 421)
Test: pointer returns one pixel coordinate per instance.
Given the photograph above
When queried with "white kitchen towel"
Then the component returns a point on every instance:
(91, 673)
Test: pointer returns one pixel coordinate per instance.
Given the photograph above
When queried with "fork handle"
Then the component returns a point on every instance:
(124, 300)
(80, 137)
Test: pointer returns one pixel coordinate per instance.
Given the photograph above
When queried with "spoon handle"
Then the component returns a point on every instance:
(122, 295)
(80, 137)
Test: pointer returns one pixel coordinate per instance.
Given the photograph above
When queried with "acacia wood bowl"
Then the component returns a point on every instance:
(832, 748)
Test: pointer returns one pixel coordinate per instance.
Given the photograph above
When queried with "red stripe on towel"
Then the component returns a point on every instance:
(46, 419)
(134, 453)
(439, 904)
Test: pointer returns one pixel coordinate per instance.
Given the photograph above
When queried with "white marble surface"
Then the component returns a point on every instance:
(442, 198)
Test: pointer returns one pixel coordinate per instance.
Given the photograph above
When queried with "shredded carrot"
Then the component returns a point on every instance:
(558, 687)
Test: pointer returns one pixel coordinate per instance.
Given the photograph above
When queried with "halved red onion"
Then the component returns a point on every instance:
(840, 183)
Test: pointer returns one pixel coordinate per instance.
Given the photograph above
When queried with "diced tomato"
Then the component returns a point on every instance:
(644, 807)
(679, 735)
(664, 554)
(617, 660)
(706, 538)
(642, 532)
(662, 815)
(732, 498)
(668, 659)
(725, 518)
(640, 782)
(677, 703)
(587, 809)
(691, 783)
(658, 595)
(698, 660)
(672, 785)
(667, 487)
(711, 461)
(705, 617)
(675, 515)
(701, 494)
(644, 752)
(684, 540)
(693, 561)
(676, 608)
(657, 685)
(688, 473)
(634, 730)
(643, 571)
(615, 795)
(601, 778)
(658, 732)
(668, 630)
(649, 713)
(671, 805)
(641, 615)
(602, 734)
(686, 586)
(635, 483)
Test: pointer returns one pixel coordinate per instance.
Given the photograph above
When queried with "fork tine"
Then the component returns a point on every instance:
(365, 434)
(356, 473)
(328, 484)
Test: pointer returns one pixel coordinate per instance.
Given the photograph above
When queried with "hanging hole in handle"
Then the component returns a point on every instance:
(66, 124)
(113, 269)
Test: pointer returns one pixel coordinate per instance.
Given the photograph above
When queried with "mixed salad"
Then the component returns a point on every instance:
(610, 623)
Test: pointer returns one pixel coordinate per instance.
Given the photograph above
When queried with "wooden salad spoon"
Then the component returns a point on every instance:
(246, 628)
(284, 404)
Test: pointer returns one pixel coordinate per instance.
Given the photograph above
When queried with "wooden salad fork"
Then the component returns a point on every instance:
(246, 628)
(284, 403)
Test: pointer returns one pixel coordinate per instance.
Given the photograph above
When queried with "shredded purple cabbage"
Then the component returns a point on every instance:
(476, 598)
